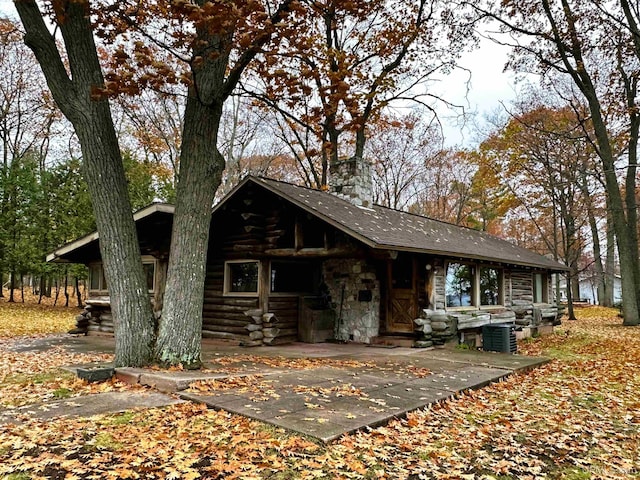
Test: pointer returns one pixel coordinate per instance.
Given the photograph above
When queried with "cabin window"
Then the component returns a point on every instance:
(150, 274)
(98, 283)
(490, 286)
(309, 233)
(293, 277)
(241, 277)
(459, 285)
(470, 285)
(540, 294)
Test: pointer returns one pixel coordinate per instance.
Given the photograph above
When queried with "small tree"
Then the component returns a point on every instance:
(597, 48)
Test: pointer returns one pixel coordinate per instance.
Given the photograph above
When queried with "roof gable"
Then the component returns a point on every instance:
(61, 254)
(384, 228)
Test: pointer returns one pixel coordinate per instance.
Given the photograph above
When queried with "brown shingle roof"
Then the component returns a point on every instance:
(385, 228)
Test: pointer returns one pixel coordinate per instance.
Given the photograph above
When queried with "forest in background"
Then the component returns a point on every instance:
(533, 178)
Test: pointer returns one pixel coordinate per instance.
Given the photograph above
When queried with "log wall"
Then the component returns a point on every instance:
(255, 226)
(286, 310)
(521, 287)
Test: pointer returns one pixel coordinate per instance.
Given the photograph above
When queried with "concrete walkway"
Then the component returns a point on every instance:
(346, 388)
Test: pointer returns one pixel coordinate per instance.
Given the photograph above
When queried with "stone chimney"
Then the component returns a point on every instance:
(350, 179)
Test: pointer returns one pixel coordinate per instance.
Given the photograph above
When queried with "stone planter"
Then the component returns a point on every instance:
(99, 373)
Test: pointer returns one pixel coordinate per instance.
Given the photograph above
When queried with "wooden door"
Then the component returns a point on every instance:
(402, 298)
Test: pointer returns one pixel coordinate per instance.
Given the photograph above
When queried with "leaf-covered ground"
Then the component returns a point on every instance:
(577, 417)
(19, 319)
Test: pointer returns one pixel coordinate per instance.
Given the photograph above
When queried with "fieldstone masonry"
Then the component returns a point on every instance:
(439, 282)
(351, 180)
(355, 296)
(95, 318)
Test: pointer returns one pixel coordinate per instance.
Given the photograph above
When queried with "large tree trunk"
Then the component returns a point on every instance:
(78, 98)
(201, 166)
(119, 247)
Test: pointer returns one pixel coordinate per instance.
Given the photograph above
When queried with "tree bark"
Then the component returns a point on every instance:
(610, 265)
(78, 294)
(201, 166)
(66, 287)
(79, 99)
(12, 286)
(41, 289)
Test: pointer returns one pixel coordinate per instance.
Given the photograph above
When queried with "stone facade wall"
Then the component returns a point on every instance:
(358, 318)
(439, 286)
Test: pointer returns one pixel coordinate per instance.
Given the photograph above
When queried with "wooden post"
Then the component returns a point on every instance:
(299, 239)
(265, 286)
(160, 284)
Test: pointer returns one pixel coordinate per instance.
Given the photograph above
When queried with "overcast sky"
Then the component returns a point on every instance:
(489, 86)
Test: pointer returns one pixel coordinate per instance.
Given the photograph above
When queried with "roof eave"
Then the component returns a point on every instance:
(444, 253)
(56, 255)
(372, 244)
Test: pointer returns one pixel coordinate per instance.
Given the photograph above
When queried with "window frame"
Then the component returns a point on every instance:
(101, 279)
(474, 281)
(149, 260)
(545, 287)
(500, 271)
(227, 292)
(475, 286)
(102, 282)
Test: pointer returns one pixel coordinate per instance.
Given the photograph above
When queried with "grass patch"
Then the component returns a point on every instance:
(588, 401)
(104, 441)
(61, 393)
(41, 378)
(574, 473)
(119, 419)
(17, 476)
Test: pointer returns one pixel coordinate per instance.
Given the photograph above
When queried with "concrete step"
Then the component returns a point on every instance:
(392, 341)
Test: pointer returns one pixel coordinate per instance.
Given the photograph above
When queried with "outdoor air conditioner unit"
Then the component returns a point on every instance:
(500, 337)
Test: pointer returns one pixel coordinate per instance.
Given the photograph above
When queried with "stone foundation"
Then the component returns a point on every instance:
(95, 318)
(442, 326)
(355, 296)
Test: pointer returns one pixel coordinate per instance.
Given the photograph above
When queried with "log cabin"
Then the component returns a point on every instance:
(288, 263)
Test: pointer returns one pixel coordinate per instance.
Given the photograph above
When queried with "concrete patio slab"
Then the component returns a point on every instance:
(327, 403)
(89, 405)
(360, 387)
